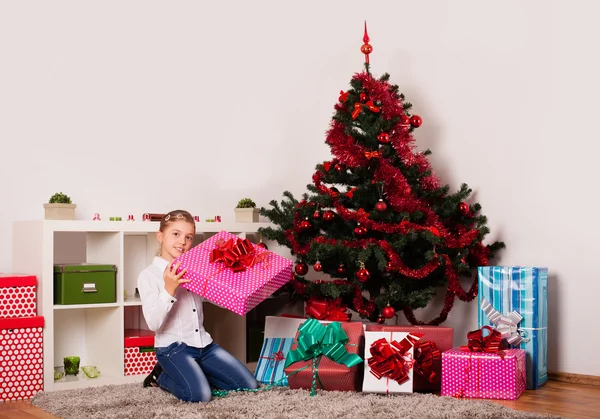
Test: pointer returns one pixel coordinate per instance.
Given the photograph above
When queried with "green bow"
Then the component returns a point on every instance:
(316, 339)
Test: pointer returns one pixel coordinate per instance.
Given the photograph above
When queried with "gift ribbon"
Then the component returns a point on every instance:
(327, 309)
(275, 359)
(316, 340)
(372, 154)
(506, 325)
(425, 354)
(358, 107)
(391, 359)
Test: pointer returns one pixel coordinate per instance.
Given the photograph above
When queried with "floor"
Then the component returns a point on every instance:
(573, 401)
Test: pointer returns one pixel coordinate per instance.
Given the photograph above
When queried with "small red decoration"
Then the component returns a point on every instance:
(381, 320)
(328, 216)
(360, 230)
(334, 190)
(339, 168)
(363, 275)
(435, 231)
(380, 206)
(305, 224)
(317, 266)
(388, 312)
(389, 265)
(405, 120)
(327, 166)
(416, 121)
(261, 244)
(363, 96)
(463, 207)
(341, 269)
(317, 214)
(343, 96)
(383, 138)
(301, 268)
(366, 48)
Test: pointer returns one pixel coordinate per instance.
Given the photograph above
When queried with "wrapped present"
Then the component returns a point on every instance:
(233, 273)
(327, 309)
(514, 300)
(388, 362)
(18, 295)
(326, 356)
(427, 353)
(482, 370)
(273, 354)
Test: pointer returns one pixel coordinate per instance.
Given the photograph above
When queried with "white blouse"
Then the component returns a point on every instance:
(173, 319)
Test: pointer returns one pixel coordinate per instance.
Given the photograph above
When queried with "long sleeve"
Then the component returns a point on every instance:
(156, 301)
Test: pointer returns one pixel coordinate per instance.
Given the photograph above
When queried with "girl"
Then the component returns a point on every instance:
(189, 362)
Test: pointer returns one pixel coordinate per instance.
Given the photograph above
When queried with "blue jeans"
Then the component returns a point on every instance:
(188, 372)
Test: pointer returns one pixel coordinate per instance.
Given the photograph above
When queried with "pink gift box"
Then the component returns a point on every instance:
(240, 291)
(482, 375)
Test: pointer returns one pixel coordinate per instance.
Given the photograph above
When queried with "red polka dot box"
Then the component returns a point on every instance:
(17, 296)
(140, 355)
(482, 375)
(21, 358)
(233, 273)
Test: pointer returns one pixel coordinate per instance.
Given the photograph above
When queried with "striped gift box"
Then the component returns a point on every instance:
(272, 360)
(524, 290)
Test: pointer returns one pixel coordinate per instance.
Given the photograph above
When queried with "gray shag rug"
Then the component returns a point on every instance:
(129, 401)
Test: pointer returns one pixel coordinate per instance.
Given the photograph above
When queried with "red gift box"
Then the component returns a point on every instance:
(441, 336)
(233, 273)
(140, 355)
(17, 296)
(330, 374)
(21, 352)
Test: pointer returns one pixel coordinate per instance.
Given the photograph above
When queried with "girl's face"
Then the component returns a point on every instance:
(176, 239)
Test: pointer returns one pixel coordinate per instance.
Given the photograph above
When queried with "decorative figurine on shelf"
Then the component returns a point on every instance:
(130, 217)
(96, 217)
(71, 364)
(196, 218)
(91, 371)
(146, 217)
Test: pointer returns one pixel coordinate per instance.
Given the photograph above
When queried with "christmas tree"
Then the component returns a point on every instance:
(395, 235)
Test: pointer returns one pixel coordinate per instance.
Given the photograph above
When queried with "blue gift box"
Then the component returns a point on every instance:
(518, 295)
(272, 360)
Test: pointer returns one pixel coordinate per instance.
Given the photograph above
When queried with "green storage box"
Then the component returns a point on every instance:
(85, 283)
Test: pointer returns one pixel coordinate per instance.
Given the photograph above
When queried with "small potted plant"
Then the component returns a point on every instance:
(59, 207)
(246, 211)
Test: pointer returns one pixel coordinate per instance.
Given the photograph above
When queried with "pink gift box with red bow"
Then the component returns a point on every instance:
(233, 273)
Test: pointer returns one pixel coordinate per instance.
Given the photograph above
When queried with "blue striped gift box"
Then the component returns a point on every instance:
(524, 290)
(271, 361)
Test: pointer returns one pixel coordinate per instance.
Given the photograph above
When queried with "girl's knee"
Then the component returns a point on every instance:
(200, 395)
(252, 383)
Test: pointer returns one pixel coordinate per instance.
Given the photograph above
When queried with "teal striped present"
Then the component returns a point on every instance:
(272, 360)
(518, 295)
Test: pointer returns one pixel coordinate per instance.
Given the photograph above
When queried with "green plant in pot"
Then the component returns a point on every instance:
(246, 211)
(59, 207)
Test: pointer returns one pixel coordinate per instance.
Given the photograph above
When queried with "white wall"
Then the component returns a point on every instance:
(146, 106)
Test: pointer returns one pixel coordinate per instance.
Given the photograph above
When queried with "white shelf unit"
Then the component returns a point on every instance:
(95, 332)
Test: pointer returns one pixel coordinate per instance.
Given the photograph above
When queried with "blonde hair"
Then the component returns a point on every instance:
(170, 218)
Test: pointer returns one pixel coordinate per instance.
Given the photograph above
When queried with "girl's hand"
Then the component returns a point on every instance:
(173, 279)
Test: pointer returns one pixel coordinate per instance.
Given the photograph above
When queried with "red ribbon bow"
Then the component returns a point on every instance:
(327, 310)
(372, 154)
(425, 354)
(237, 254)
(358, 107)
(343, 96)
(490, 343)
(275, 358)
(392, 360)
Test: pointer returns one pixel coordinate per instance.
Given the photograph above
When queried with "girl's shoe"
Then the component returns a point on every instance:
(152, 379)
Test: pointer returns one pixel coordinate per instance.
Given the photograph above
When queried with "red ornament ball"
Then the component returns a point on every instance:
(317, 266)
(405, 120)
(389, 265)
(383, 138)
(363, 275)
(363, 96)
(328, 216)
(264, 246)
(388, 312)
(381, 320)
(305, 224)
(335, 191)
(366, 49)
(380, 206)
(360, 230)
(317, 214)
(339, 168)
(464, 209)
(416, 121)
(301, 268)
(341, 269)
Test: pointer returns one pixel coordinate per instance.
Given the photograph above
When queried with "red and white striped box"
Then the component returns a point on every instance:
(21, 357)
(18, 296)
(140, 355)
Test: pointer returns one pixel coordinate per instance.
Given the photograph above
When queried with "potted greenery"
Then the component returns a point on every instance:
(59, 207)
(246, 211)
